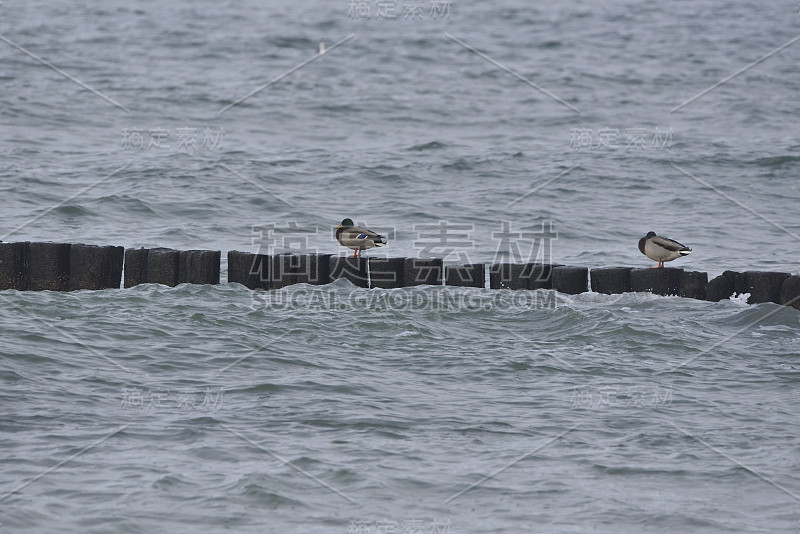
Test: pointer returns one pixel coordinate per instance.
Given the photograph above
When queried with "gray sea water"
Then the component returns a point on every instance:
(460, 129)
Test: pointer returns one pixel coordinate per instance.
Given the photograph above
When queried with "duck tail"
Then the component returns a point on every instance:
(686, 251)
(380, 241)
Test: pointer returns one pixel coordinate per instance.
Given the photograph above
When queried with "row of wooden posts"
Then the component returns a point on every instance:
(69, 267)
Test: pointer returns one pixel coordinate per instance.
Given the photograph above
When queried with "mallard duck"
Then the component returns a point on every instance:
(661, 249)
(357, 238)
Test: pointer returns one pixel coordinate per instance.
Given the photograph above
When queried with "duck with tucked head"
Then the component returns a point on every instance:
(357, 238)
(661, 249)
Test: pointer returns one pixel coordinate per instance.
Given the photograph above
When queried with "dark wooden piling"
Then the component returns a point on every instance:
(692, 284)
(720, 288)
(739, 281)
(611, 280)
(470, 275)
(318, 270)
(95, 267)
(509, 276)
(251, 270)
(199, 267)
(386, 273)
(790, 292)
(289, 269)
(541, 275)
(163, 266)
(422, 271)
(521, 275)
(14, 260)
(48, 266)
(135, 267)
(353, 269)
(664, 281)
(570, 280)
(765, 286)
(64, 267)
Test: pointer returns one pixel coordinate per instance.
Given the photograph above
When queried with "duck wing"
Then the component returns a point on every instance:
(356, 232)
(669, 244)
(356, 236)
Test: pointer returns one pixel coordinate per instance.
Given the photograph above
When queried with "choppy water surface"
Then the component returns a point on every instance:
(336, 409)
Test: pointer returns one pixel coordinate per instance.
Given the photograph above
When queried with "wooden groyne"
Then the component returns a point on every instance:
(34, 266)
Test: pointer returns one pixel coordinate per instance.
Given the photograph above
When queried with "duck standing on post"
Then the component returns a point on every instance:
(661, 249)
(357, 238)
